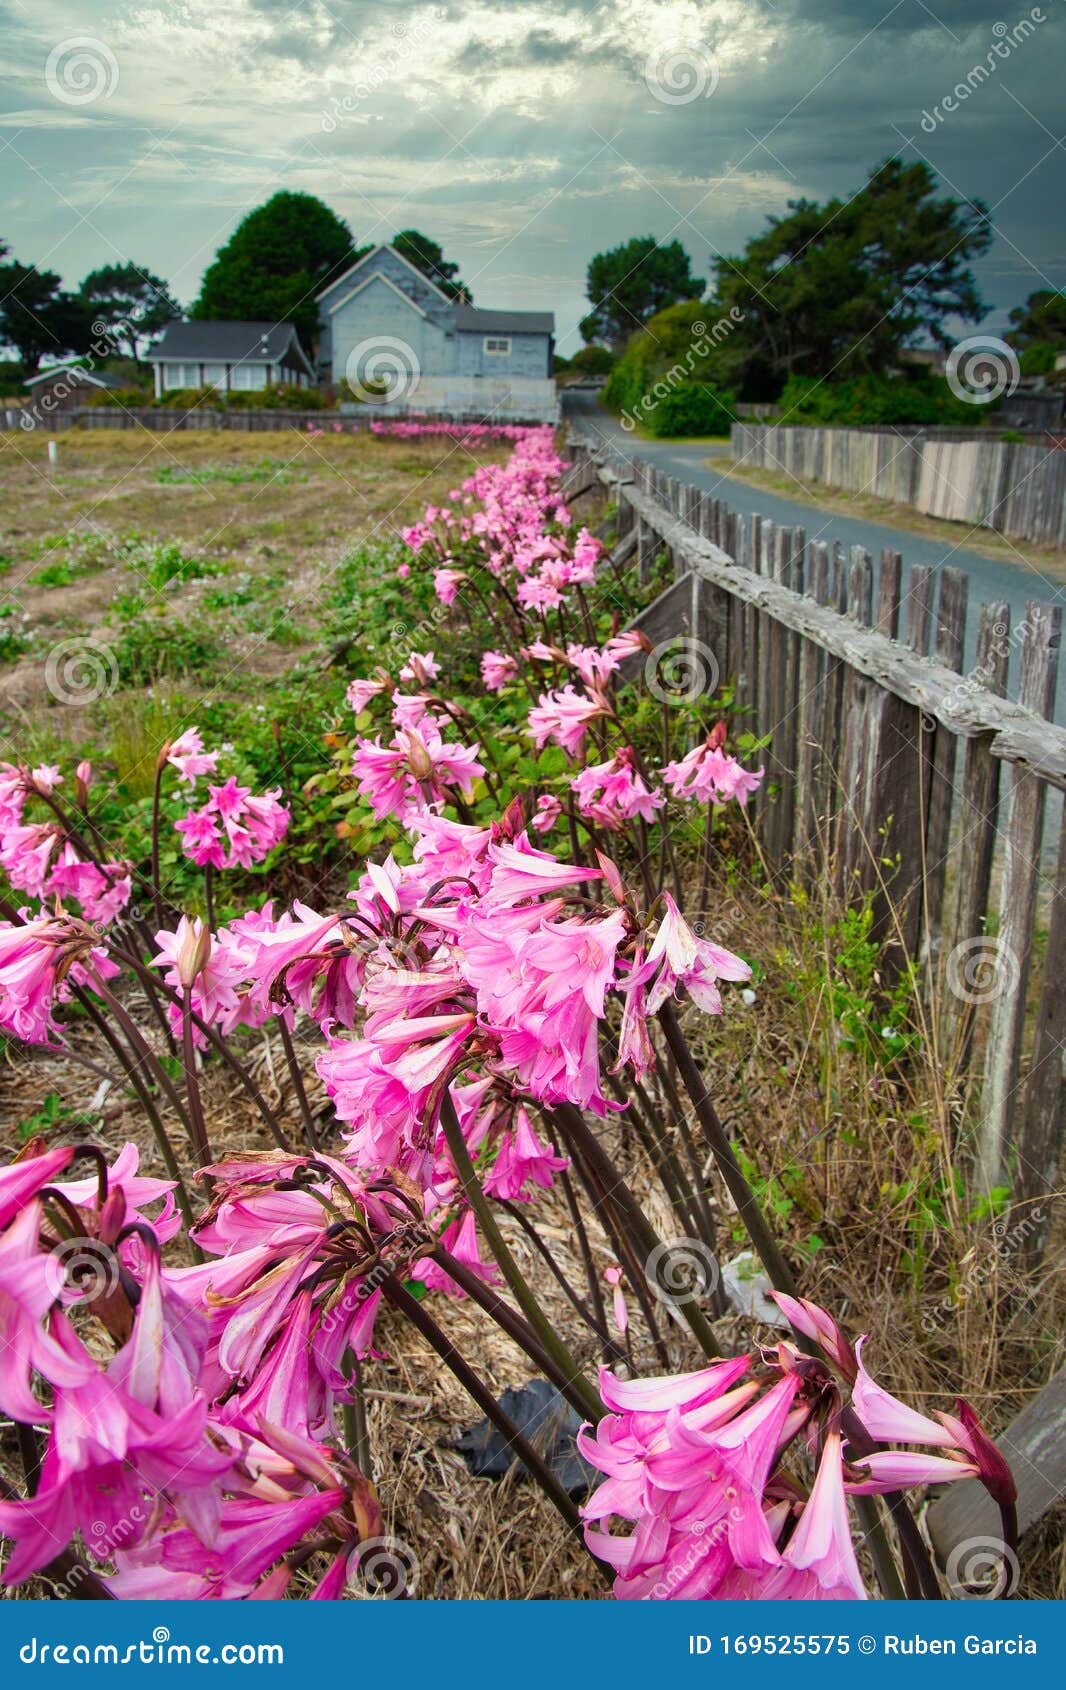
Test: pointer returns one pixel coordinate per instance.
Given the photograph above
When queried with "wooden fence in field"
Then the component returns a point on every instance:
(166, 419)
(924, 789)
(1015, 489)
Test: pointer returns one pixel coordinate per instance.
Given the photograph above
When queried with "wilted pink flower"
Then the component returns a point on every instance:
(678, 957)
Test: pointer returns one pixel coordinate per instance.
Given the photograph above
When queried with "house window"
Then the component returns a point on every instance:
(181, 375)
(247, 378)
(497, 345)
(214, 375)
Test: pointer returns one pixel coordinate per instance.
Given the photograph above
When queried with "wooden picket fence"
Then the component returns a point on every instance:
(926, 790)
(1016, 488)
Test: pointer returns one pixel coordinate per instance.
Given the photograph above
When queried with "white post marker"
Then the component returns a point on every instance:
(53, 452)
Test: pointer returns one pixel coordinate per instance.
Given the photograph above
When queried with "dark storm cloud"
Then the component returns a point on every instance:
(524, 135)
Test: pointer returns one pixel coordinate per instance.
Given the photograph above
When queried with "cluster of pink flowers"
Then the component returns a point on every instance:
(695, 1464)
(235, 828)
(36, 854)
(202, 1451)
(466, 434)
(710, 775)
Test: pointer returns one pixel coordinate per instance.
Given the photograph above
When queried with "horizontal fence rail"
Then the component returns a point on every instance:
(924, 789)
(165, 419)
(1016, 489)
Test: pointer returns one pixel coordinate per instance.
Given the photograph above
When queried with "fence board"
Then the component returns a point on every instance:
(1017, 904)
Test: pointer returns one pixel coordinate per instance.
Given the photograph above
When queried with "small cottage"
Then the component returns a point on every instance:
(234, 357)
(391, 337)
(63, 387)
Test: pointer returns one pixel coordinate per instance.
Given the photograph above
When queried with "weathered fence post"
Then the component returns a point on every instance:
(1017, 903)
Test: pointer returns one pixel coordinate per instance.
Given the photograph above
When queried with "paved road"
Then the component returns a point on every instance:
(990, 578)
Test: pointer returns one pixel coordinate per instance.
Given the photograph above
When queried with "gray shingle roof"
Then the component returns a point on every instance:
(229, 343)
(76, 375)
(470, 319)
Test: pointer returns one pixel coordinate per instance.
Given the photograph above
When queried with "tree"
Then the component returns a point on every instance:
(842, 288)
(278, 259)
(427, 256)
(37, 318)
(130, 301)
(630, 283)
(1039, 331)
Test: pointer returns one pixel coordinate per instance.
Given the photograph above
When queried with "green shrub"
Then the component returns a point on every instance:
(12, 642)
(159, 562)
(875, 401)
(151, 646)
(692, 407)
(593, 361)
(282, 396)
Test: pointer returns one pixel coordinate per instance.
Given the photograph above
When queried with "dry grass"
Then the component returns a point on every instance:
(274, 540)
(1043, 560)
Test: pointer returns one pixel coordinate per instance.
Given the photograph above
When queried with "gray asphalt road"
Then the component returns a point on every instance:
(990, 578)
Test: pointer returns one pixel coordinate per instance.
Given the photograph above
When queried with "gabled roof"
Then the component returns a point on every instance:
(400, 259)
(470, 319)
(76, 373)
(229, 343)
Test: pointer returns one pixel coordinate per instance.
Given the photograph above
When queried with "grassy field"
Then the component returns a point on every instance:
(206, 559)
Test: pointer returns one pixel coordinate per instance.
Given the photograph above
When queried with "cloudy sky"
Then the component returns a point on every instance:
(525, 135)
